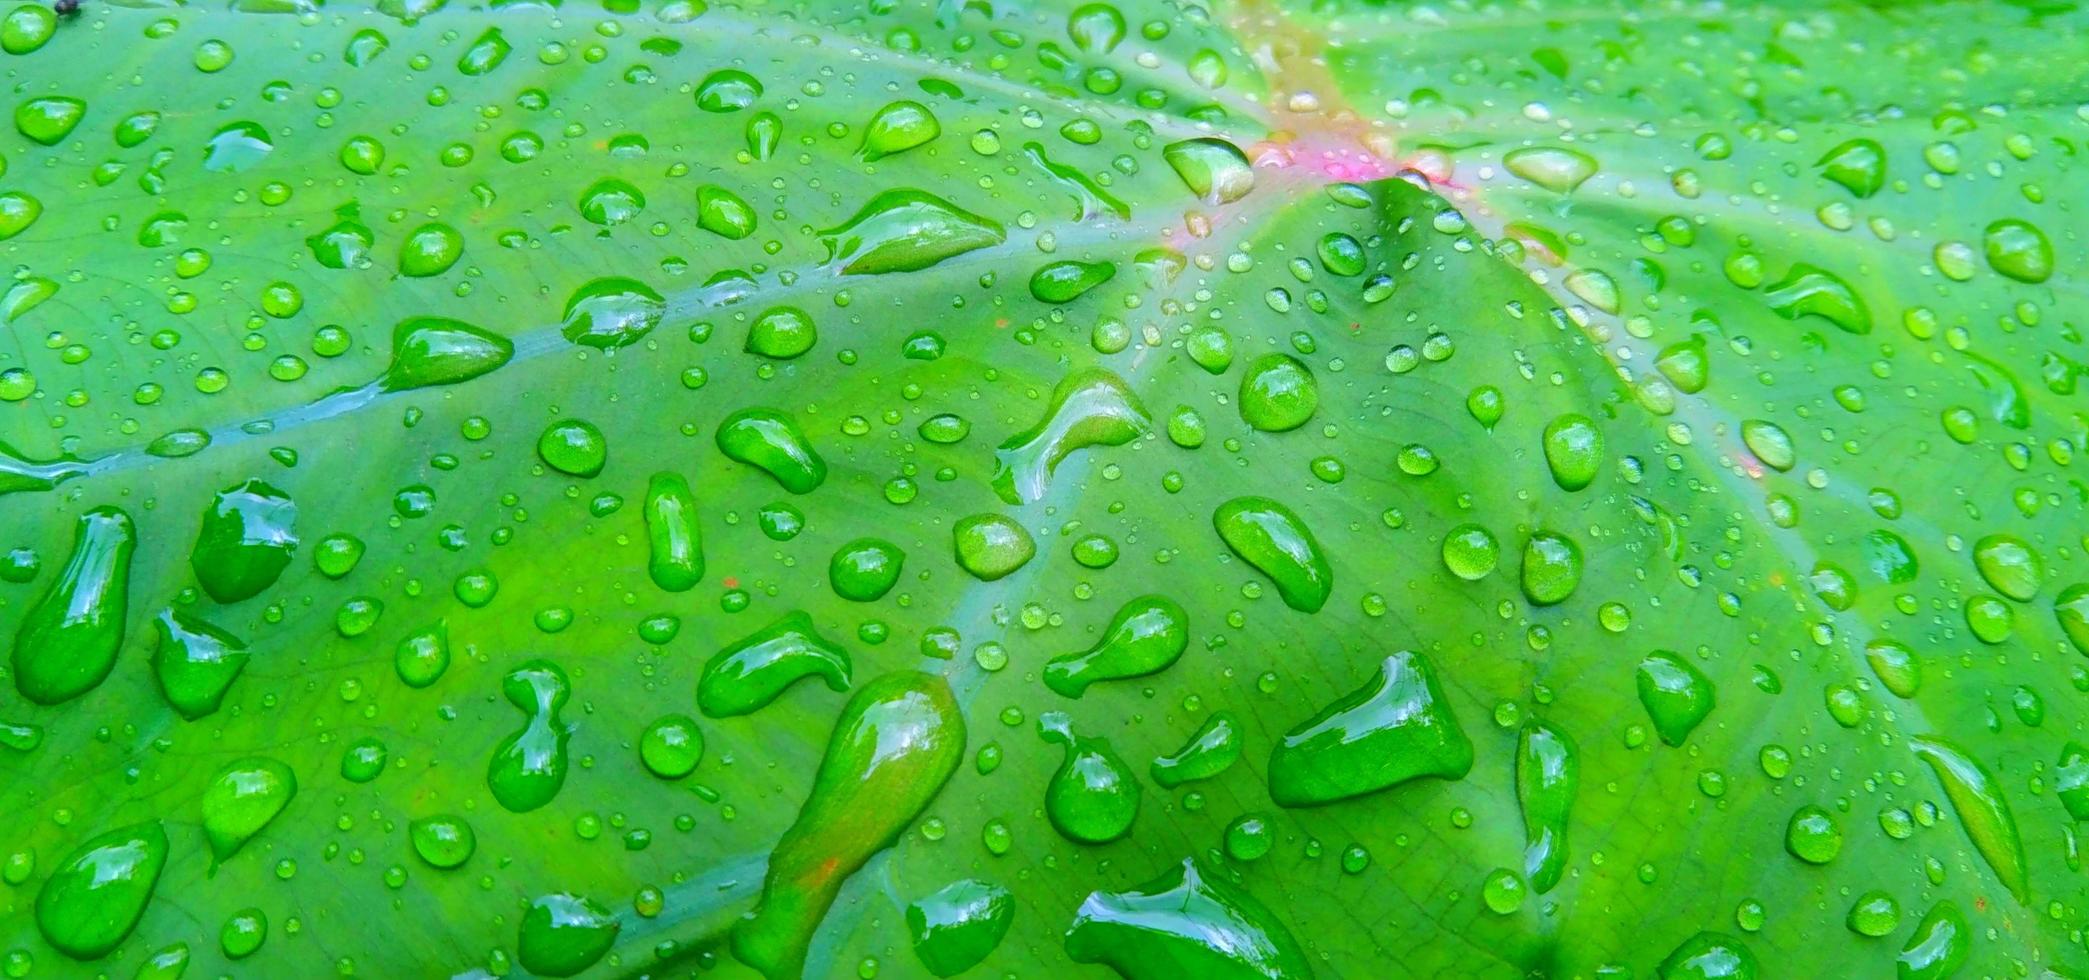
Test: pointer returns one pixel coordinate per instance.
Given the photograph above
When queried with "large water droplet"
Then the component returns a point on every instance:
(1396, 728)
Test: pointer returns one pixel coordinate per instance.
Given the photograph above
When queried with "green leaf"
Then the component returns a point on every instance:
(909, 488)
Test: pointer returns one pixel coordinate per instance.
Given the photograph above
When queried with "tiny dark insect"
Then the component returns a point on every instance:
(66, 8)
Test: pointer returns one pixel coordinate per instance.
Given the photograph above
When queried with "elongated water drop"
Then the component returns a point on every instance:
(749, 674)
(1268, 536)
(1396, 728)
(194, 661)
(68, 641)
(1066, 280)
(1982, 810)
(1548, 775)
(904, 230)
(771, 442)
(1089, 407)
(1213, 749)
(1938, 946)
(1093, 797)
(529, 766)
(1146, 636)
(959, 925)
(248, 537)
(1185, 924)
(99, 891)
(433, 350)
(675, 546)
(894, 746)
(245, 797)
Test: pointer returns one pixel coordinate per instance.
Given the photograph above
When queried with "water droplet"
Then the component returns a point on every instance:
(248, 536)
(1089, 407)
(1982, 810)
(430, 250)
(2009, 566)
(752, 672)
(895, 744)
(1213, 169)
(771, 442)
(1212, 750)
(1147, 635)
(1939, 945)
(1185, 924)
(1548, 775)
(2019, 250)
(242, 800)
(67, 643)
(612, 312)
(574, 447)
(865, 569)
(723, 213)
(1859, 165)
(96, 895)
(1551, 568)
(675, 557)
(1278, 393)
(906, 230)
(529, 767)
(1573, 451)
(897, 128)
(1396, 728)
(990, 546)
(195, 662)
(444, 841)
(563, 934)
(1093, 797)
(1676, 695)
(958, 926)
(1554, 168)
(671, 746)
(1270, 537)
(1709, 956)
(783, 332)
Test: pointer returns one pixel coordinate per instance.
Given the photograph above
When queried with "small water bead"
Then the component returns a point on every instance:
(671, 746)
(1470, 552)
(1874, 914)
(1250, 836)
(1503, 892)
(444, 841)
(1813, 836)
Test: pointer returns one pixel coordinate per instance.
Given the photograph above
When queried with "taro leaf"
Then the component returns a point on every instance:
(1616, 467)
